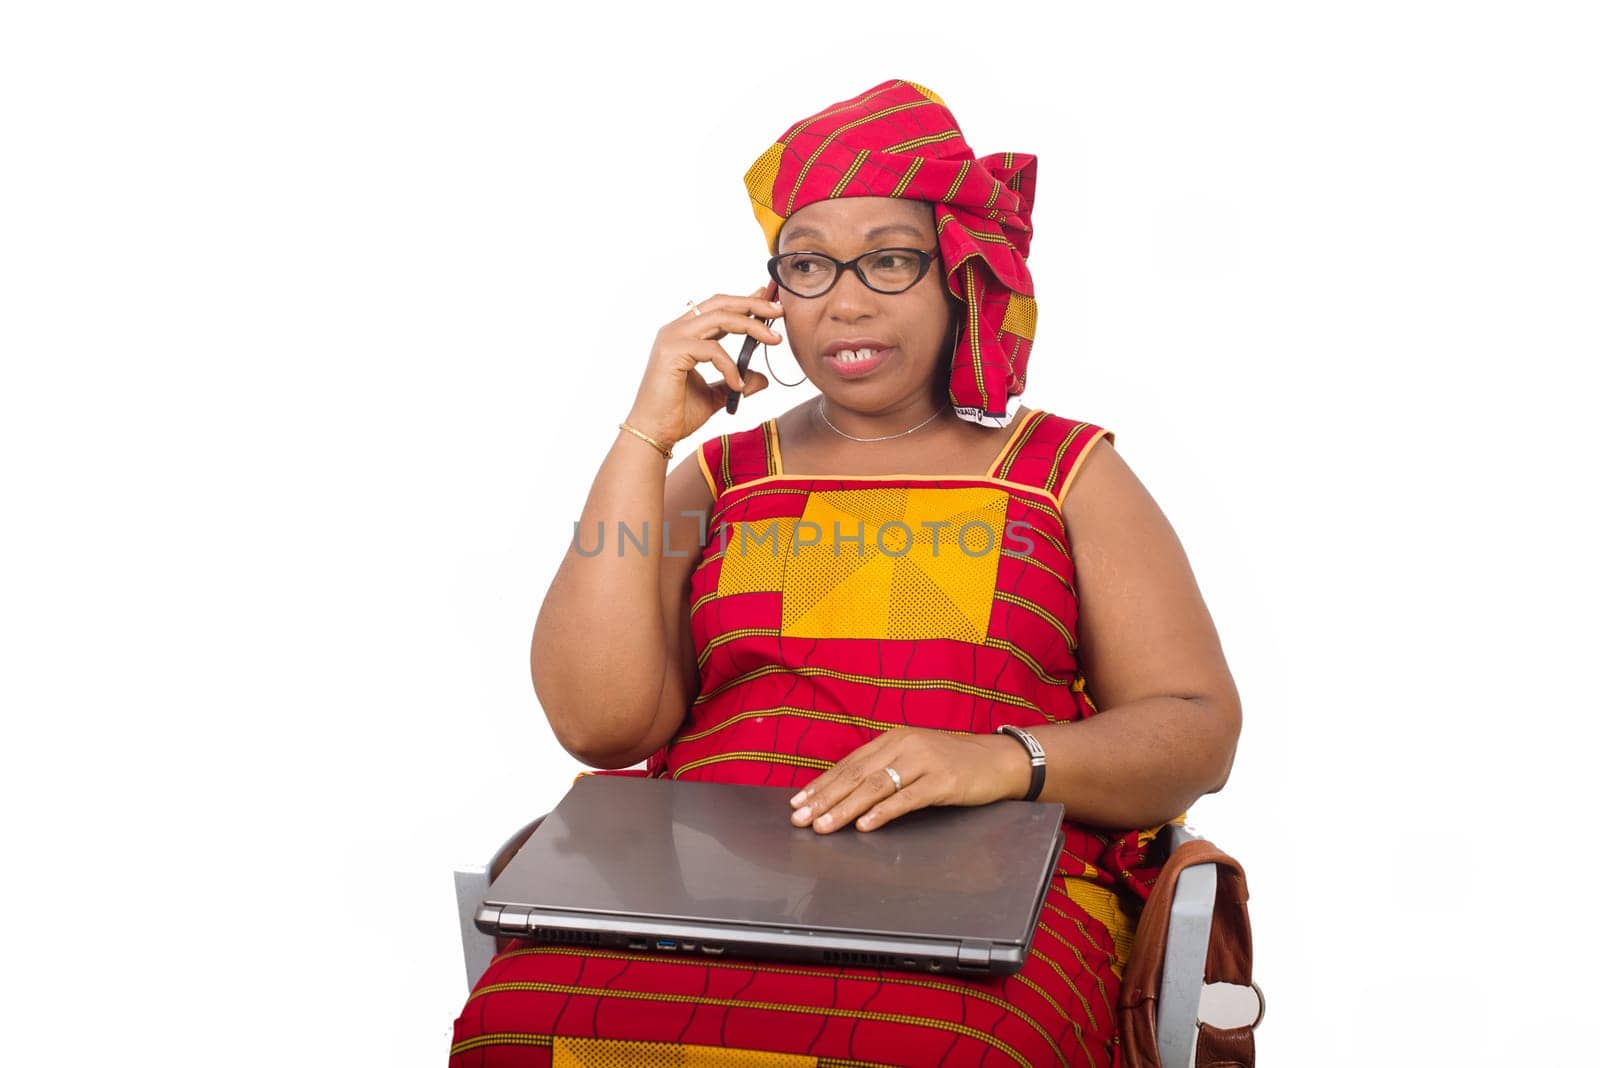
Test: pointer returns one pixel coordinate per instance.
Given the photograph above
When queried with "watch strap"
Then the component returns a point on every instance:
(1035, 757)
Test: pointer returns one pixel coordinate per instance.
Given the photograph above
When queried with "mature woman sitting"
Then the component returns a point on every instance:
(853, 597)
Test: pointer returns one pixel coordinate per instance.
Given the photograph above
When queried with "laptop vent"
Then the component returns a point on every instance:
(556, 934)
(869, 960)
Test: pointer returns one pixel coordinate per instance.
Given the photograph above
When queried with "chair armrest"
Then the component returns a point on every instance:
(1183, 967)
(477, 948)
(472, 884)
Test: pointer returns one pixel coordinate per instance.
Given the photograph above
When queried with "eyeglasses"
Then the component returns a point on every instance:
(886, 270)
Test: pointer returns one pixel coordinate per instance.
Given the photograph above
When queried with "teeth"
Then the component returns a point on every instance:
(852, 355)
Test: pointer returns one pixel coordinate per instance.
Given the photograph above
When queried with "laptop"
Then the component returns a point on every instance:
(718, 870)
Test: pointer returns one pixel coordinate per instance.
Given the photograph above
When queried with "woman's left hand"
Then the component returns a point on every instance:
(935, 768)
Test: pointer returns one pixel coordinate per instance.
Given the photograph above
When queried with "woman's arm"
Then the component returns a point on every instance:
(611, 658)
(1169, 713)
(1168, 716)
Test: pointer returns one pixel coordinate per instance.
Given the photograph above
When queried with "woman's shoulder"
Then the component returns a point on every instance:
(751, 433)
(1104, 489)
(1049, 450)
(738, 455)
(1057, 426)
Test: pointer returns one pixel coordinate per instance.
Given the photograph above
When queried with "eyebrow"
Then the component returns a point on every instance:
(872, 234)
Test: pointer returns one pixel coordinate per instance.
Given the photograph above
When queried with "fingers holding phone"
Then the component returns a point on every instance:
(673, 400)
(770, 295)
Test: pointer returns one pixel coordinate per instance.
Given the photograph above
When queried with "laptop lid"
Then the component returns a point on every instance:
(719, 869)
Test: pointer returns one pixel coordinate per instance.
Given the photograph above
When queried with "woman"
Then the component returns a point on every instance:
(857, 662)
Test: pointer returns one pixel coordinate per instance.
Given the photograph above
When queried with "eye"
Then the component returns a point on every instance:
(803, 263)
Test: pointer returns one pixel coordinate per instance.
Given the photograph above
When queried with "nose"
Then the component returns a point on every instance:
(851, 298)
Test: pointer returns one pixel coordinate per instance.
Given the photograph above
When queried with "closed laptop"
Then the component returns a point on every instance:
(715, 869)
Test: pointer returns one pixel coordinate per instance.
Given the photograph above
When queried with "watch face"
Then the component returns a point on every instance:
(1029, 742)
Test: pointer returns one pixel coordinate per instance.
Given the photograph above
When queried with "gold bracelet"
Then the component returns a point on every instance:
(662, 449)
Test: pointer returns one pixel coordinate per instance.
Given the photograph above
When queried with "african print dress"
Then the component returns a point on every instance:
(949, 604)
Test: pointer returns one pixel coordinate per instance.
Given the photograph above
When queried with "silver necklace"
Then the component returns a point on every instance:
(885, 437)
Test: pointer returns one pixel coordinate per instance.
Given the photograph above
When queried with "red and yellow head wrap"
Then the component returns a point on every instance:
(898, 139)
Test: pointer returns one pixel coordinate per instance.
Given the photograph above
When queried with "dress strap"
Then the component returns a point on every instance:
(730, 459)
(1047, 451)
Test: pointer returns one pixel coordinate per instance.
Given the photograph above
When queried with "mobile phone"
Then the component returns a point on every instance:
(748, 350)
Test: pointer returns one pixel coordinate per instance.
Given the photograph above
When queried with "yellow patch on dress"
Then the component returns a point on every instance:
(754, 556)
(902, 579)
(1103, 904)
(617, 1053)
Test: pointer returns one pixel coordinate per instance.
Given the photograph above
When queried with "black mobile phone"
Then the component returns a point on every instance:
(748, 350)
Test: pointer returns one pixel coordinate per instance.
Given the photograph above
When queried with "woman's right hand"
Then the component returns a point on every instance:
(673, 400)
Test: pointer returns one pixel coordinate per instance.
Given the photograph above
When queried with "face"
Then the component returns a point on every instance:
(914, 328)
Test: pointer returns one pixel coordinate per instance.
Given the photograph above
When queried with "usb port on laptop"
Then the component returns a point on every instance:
(666, 943)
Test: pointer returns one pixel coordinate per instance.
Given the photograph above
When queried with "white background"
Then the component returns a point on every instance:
(317, 319)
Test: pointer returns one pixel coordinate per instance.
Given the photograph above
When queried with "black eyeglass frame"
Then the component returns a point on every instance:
(925, 260)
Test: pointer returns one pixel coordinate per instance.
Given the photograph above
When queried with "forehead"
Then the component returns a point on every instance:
(854, 220)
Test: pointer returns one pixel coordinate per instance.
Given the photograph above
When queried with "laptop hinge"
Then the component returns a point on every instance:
(513, 921)
(497, 919)
(974, 954)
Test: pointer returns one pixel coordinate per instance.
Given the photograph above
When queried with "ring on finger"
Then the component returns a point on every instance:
(693, 305)
(894, 777)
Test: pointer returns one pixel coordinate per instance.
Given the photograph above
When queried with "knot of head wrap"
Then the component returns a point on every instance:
(898, 139)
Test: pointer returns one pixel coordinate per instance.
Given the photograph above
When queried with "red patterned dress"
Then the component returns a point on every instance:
(949, 604)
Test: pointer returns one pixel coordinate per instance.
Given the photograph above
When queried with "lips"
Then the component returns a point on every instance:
(840, 344)
(856, 368)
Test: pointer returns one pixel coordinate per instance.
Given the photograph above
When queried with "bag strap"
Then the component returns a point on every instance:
(1228, 960)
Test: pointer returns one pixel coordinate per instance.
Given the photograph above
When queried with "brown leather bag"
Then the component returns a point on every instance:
(1227, 961)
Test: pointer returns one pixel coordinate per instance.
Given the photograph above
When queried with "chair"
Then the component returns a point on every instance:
(1182, 971)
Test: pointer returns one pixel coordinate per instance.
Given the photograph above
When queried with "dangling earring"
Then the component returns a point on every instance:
(766, 354)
